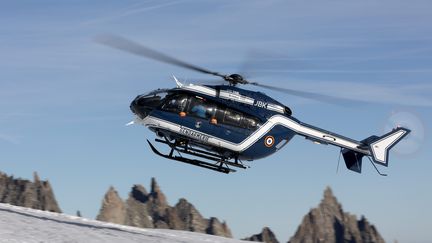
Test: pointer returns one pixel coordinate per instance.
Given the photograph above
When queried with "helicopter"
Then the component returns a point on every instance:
(219, 127)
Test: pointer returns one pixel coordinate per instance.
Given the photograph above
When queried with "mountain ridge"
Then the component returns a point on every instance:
(327, 222)
(36, 194)
(151, 210)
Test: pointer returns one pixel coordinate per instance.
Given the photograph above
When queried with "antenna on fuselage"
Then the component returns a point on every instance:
(178, 83)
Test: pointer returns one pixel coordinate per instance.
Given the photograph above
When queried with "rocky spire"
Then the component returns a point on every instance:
(329, 198)
(157, 205)
(266, 236)
(157, 195)
(38, 194)
(191, 219)
(154, 186)
(329, 223)
(113, 209)
(136, 208)
(215, 227)
(139, 193)
(36, 178)
(45, 195)
(368, 232)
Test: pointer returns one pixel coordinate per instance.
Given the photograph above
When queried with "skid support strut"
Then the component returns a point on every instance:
(214, 161)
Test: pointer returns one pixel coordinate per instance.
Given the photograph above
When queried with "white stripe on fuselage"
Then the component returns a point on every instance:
(231, 95)
(306, 131)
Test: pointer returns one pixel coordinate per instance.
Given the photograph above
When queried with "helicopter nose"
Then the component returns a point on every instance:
(143, 105)
(134, 106)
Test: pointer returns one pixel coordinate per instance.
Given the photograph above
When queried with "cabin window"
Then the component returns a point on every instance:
(201, 108)
(198, 107)
(249, 122)
(232, 118)
(235, 118)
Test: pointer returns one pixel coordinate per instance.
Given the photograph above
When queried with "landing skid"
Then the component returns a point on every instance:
(219, 163)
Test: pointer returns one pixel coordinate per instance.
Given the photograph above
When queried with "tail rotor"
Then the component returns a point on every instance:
(413, 141)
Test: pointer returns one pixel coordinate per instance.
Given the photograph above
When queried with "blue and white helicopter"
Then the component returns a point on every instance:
(218, 127)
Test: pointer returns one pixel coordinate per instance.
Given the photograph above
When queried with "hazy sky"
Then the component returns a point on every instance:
(64, 101)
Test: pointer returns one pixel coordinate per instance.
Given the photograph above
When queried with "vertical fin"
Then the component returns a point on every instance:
(380, 147)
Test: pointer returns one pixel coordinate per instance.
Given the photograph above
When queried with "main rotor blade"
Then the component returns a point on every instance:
(308, 95)
(124, 44)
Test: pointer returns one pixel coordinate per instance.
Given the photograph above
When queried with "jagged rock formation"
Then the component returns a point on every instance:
(136, 208)
(151, 210)
(215, 227)
(37, 194)
(329, 223)
(113, 208)
(266, 236)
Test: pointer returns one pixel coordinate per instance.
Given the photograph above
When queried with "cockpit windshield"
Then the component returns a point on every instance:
(142, 105)
(158, 92)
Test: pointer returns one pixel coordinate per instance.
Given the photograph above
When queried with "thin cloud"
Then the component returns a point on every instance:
(131, 11)
(344, 71)
(409, 95)
(9, 139)
(91, 119)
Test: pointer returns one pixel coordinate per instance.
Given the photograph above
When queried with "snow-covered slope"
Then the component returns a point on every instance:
(18, 224)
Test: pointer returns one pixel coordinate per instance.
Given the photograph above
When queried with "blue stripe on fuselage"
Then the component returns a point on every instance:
(260, 150)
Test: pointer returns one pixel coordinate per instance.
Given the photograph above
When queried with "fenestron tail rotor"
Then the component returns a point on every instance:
(414, 141)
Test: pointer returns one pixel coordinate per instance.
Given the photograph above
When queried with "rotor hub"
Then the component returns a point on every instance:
(236, 79)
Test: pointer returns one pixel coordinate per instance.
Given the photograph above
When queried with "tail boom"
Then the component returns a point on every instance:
(353, 151)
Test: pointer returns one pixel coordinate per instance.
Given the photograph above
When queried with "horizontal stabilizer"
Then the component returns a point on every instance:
(381, 146)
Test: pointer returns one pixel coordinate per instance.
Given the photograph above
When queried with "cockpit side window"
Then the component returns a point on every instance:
(175, 103)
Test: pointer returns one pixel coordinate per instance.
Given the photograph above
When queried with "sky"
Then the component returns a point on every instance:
(64, 102)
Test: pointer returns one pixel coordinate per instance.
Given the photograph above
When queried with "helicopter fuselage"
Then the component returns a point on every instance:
(230, 123)
(224, 119)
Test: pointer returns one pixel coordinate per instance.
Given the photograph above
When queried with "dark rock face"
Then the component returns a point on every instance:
(136, 208)
(329, 223)
(188, 218)
(37, 194)
(266, 236)
(215, 227)
(151, 210)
